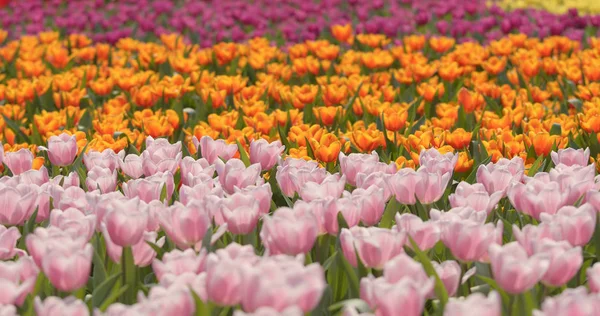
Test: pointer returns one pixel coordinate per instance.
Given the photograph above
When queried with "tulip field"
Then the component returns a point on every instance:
(297, 158)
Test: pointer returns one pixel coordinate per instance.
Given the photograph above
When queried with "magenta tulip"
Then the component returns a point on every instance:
(125, 225)
(68, 269)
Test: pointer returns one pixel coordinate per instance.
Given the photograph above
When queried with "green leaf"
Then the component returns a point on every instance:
(492, 283)
(163, 193)
(341, 221)
(243, 155)
(202, 309)
(21, 137)
(99, 270)
(389, 213)
(354, 285)
(283, 137)
(78, 161)
(336, 279)
(440, 289)
(472, 176)
(101, 293)
(207, 239)
(113, 297)
(28, 228)
(158, 249)
(328, 263)
(556, 129)
(537, 164)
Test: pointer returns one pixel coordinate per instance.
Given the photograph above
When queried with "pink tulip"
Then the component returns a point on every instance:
(269, 311)
(282, 282)
(593, 277)
(475, 304)
(235, 252)
(62, 149)
(294, 173)
(262, 193)
(143, 254)
(435, 162)
(571, 157)
(126, 225)
(497, 177)
(593, 197)
(169, 301)
(372, 204)
(71, 180)
(73, 197)
(403, 267)
(405, 297)
(185, 225)
(44, 240)
(403, 184)
(19, 161)
(317, 208)
(235, 174)
(537, 197)
(458, 214)
(8, 243)
(469, 241)
(177, 262)
(17, 203)
(8, 310)
(331, 186)
(571, 302)
(425, 234)
(74, 222)
(575, 180)
(530, 235)
(101, 178)
(565, 261)
(577, 224)
(374, 246)
(150, 188)
(377, 179)
(449, 272)
(37, 177)
(186, 281)
(192, 169)
(349, 210)
(199, 191)
(265, 154)
(241, 219)
(354, 163)
(288, 232)
(53, 305)
(160, 156)
(212, 149)
(17, 280)
(132, 166)
(105, 159)
(431, 186)
(224, 282)
(514, 271)
(475, 196)
(68, 269)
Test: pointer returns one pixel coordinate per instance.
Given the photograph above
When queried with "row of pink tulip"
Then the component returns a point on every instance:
(162, 234)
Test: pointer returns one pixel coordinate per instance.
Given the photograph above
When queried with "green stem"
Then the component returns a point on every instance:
(129, 275)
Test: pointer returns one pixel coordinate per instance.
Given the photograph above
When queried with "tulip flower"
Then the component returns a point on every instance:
(514, 271)
(265, 154)
(62, 149)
